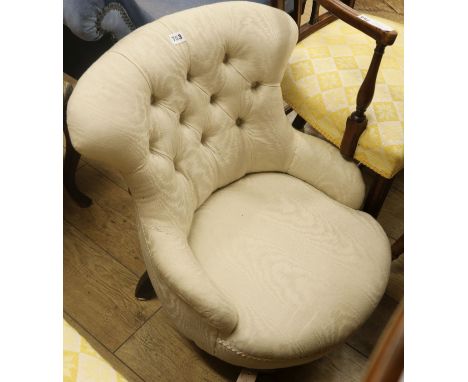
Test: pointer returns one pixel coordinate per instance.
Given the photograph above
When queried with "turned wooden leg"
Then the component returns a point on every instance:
(299, 123)
(377, 194)
(397, 248)
(144, 290)
(70, 164)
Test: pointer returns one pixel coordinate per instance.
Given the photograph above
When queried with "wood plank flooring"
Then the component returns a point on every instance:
(102, 264)
(101, 268)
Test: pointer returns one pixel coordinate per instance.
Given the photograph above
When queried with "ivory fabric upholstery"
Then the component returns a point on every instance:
(323, 78)
(181, 121)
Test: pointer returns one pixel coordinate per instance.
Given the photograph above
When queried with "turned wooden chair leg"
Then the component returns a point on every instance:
(397, 248)
(144, 290)
(377, 194)
(70, 162)
(299, 123)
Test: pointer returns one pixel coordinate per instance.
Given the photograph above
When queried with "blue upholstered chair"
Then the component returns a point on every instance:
(92, 26)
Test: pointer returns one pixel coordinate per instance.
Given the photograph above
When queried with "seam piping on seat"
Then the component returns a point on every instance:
(238, 352)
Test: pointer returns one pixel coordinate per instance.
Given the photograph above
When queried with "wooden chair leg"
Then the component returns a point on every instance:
(377, 194)
(144, 290)
(299, 123)
(397, 248)
(71, 160)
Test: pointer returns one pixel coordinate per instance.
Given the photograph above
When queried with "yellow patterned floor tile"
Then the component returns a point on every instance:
(82, 363)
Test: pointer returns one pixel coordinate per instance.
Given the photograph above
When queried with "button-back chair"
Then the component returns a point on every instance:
(250, 230)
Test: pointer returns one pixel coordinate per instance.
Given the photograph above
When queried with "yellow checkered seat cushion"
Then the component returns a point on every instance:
(321, 83)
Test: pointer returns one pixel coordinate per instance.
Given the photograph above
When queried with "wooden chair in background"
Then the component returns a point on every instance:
(333, 77)
(387, 360)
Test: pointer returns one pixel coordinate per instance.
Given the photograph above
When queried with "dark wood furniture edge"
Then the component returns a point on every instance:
(72, 157)
(387, 360)
(376, 196)
(398, 247)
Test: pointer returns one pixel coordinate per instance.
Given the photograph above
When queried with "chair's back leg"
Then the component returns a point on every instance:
(299, 123)
(398, 248)
(377, 194)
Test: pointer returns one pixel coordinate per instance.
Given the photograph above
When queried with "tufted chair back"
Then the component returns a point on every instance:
(180, 119)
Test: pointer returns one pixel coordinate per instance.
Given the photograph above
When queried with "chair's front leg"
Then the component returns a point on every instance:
(144, 290)
(357, 121)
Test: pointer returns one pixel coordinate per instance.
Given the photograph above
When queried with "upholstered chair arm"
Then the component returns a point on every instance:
(321, 165)
(176, 266)
(380, 33)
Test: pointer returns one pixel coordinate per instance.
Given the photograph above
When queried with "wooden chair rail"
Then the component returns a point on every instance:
(351, 17)
(312, 26)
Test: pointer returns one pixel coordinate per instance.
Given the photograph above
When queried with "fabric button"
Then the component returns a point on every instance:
(189, 77)
(226, 58)
(213, 98)
(255, 85)
(153, 99)
(239, 122)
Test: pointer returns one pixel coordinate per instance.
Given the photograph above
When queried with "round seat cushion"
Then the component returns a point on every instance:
(302, 270)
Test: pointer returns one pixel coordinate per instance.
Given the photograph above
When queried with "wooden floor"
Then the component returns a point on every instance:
(101, 264)
(101, 268)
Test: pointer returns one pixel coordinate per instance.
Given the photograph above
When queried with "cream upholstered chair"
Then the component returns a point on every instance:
(341, 82)
(249, 229)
